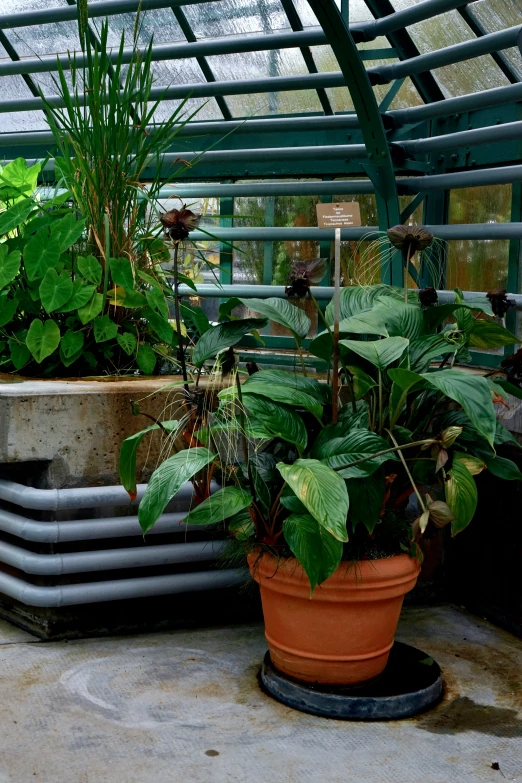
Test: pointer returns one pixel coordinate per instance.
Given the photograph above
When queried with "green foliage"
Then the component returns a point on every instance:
(409, 432)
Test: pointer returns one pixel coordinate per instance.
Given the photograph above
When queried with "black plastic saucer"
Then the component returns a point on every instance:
(410, 683)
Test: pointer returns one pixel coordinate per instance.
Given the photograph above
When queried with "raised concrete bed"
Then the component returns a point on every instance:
(72, 557)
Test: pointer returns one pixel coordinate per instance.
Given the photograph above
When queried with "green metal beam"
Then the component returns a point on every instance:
(499, 57)
(367, 111)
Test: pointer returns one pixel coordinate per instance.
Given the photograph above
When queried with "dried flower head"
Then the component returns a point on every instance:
(428, 297)
(409, 239)
(500, 304)
(178, 223)
(304, 274)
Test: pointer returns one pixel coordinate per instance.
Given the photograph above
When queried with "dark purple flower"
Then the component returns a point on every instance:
(178, 223)
(304, 274)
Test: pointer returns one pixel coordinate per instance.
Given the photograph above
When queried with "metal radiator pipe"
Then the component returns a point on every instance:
(53, 532)
(80, 497)
(107, 559)
(118, 589)
(509, 131)
(368, 31)
(320, 292)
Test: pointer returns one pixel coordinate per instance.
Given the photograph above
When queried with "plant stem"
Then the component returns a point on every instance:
(409, 256)
(181, 349)
(299, 348)
(380, 400)
(425, 442)
(337, 286)
(243, 436)
(406, 468)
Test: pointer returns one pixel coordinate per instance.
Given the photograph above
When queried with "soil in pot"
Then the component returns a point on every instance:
(343, 634)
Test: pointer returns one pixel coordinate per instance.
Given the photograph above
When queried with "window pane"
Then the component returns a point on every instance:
(479, 265)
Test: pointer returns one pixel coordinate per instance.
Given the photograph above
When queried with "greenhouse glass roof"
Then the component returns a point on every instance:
(407, 101)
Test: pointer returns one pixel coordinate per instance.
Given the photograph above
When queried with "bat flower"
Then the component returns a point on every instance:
(409, 239)
(178, 223)
(428, 297)
(500, 304)
(512, 365)
(304, 274)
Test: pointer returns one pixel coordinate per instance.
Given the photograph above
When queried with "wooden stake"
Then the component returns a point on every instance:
(337, 290)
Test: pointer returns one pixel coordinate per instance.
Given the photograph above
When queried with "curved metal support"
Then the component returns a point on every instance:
(380, 168)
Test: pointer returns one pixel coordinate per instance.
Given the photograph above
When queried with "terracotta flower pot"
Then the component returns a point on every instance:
(343, 634)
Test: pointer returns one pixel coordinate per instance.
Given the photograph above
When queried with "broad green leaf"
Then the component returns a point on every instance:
(127, 342)
(241, 526)
(55, 289)
(278, 419)
(404, 381)
(322, 346)
(366, 500)
(194, 316)
(380, 353)
(9, 265)
(81, 294)
(128, 451)
(121, 297)
(159, 325)
(20, 353)
(42, 252)
(71, 343)
(352, 419)
(224, 503)
(16, 215)
(18, 179)
(472, 392)
(362, 382)
(146, 359)
(355, 299)
(369, 322)
(356, 445)
(67, 361)
(401, 319)
(66, 231)
(157, 302)
(90, 268)
(121, 272)
(284, 394)
(91, 309)
(322, 491)
(475, 465)
(435, 316)
(501, 467)
(42, 339)
(314, 547)
(461, 496)
(423, 351)
(222, 336)
(490, 334)
(167, 480)
(321, 391)
(8, 309)
(283, 312)
(104, 329)
(290, 501)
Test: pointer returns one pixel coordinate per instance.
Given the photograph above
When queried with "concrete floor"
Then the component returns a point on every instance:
(185, 707)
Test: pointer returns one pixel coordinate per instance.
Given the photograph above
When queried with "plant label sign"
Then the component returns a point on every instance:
(339, 214)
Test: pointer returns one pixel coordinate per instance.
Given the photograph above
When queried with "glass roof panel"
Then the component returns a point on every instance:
(479, 73)
(56, 38)
(296, 102)
(359, 12)
(496, 15)
(167, 72)
(160, 23)
(236, 17)
(208, 110)
(258, 65)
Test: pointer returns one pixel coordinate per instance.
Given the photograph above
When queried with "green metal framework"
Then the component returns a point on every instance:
(399, 133)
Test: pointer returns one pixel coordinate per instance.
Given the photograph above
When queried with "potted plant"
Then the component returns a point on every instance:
(331, 496)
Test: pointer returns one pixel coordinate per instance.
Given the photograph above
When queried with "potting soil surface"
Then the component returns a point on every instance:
(185, 706)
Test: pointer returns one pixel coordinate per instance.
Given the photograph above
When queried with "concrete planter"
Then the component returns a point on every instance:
(73, 560)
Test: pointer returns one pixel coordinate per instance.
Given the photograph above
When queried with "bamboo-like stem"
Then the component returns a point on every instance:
(426, 442)
(243, 436)
(181, 349)
(406, 468)
(337, 285)
(409, 256)
(380, 401)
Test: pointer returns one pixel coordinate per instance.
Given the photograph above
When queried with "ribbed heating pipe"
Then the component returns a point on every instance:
(118, 589)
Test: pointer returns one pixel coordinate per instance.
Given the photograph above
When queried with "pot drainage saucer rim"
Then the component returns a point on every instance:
(410, 683)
